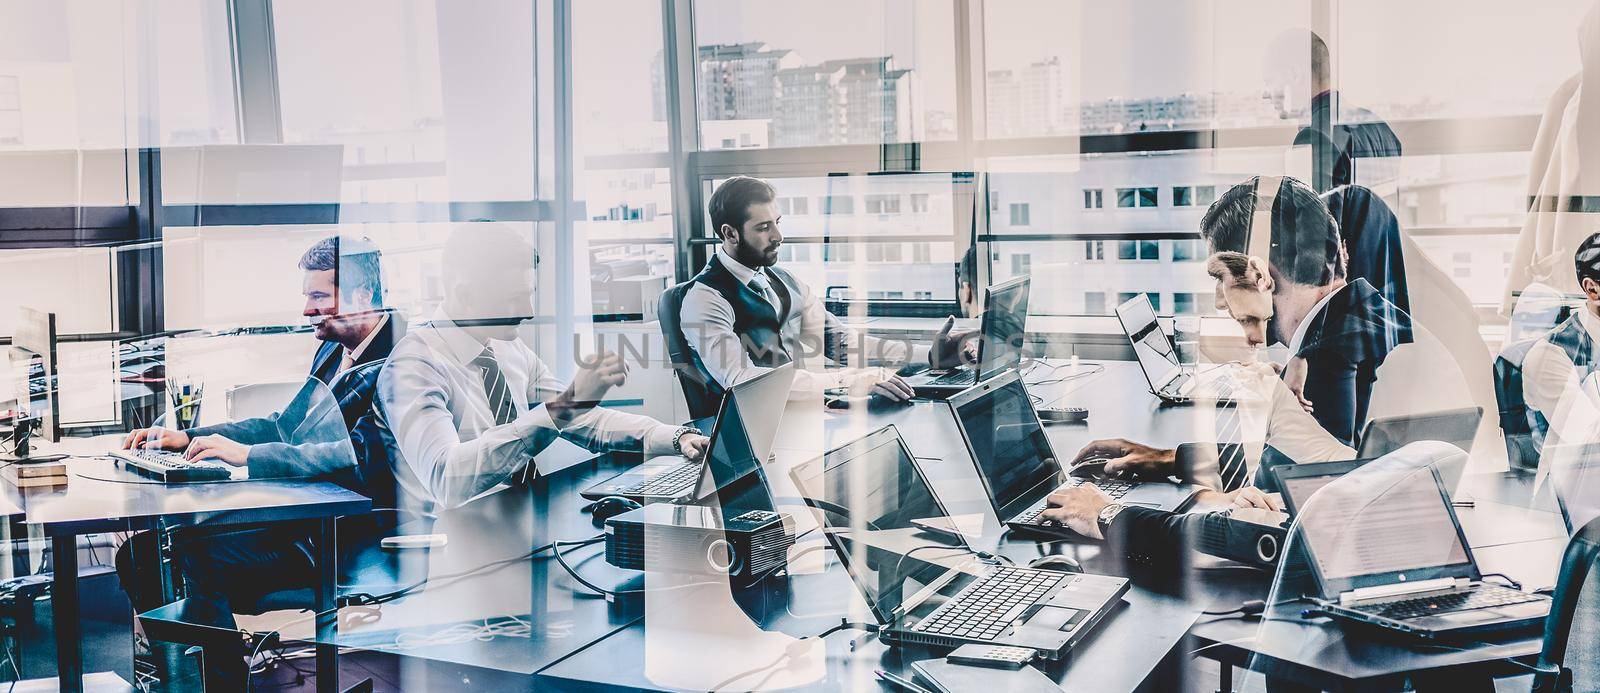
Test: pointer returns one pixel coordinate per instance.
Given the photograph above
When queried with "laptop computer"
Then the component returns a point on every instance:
(747, 421)
(1018, 466)
(1458, 427)
(932, 590)
(1003, 336)
(1170, 381)
(1387, 551)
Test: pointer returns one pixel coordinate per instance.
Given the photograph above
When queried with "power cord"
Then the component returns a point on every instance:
(985, 556)
(795, 649)
(1510, 581)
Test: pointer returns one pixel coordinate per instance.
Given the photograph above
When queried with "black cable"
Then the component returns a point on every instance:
(844, 624)
(1510, 581)
(555, 551)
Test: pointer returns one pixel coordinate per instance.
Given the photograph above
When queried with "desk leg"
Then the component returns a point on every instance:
(327, 618)
(64, 610)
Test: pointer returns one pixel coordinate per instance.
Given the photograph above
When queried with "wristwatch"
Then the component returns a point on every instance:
(677, 437)
(1107, 514)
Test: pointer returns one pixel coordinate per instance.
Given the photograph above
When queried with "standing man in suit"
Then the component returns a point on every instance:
(743, 315)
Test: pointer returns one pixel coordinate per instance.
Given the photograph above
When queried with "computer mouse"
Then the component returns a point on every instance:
(609, 507)
(1058, 563)
(1092, 468)
(877, 402)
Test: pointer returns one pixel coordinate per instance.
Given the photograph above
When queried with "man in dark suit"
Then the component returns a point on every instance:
(344, 302)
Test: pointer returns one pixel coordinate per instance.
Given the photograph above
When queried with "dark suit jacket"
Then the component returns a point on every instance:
(1371, 235)
(1343, 346)
(278, 448)
(1361, 135)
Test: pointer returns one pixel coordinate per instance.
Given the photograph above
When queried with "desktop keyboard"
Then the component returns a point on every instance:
(170, 466)
(1482, 597)
(987, 607)
(670, 482)
(1113, 487)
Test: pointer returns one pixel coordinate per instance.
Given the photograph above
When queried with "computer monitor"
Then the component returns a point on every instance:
(1004, 327)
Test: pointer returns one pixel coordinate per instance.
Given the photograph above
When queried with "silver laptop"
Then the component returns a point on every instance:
(1003, 338)
(1411, 570)
(1170, 381)
(930, 589)
(1019, 467)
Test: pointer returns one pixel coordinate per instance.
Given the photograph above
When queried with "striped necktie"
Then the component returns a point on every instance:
(494, 387)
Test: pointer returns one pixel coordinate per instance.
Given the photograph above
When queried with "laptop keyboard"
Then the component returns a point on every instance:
(985, 608)
(961, 377)
(1113, 487)
(1483, 597)
(670, 482)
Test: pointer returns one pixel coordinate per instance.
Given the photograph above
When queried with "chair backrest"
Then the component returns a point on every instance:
(1574, 622)
(700, 391)
(1516, 422)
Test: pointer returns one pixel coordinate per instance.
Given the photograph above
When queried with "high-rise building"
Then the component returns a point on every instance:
(735, 80)
(854, 101)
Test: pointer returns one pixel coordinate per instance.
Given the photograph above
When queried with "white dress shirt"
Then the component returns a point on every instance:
(1299, 337)
(706, 319)
(350, 355)
(1551, 384)
(433, 399)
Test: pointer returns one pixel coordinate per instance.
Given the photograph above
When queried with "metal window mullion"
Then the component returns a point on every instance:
(255, 72)
(683, 132)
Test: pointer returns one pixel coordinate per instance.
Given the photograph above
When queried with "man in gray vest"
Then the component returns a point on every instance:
(1556, 373)
(743, 315)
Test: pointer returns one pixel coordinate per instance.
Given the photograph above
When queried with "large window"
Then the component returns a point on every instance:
(769, 75)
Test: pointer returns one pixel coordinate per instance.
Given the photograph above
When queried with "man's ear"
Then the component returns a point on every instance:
(1256, 271)
(726, 232)
(1591, 288)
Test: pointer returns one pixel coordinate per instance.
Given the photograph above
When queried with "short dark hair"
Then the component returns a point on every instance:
(1587, 259)
(1231, 268)
(357, 264)
(1306, 247)
(730, 203)
(967, 269)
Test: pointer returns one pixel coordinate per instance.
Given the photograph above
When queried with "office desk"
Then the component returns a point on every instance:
(1128, 650)
(1510, 530)
(103, 498)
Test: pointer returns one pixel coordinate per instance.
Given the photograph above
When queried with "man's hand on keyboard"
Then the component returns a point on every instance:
(693, 445)
(219, 449)
(156, 438)
(1124, 457)
(1247, 497)
(1078, 508)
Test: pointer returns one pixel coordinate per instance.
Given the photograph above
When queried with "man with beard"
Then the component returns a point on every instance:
(742, 314)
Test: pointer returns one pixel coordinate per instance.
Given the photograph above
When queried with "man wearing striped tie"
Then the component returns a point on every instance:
(471, 404)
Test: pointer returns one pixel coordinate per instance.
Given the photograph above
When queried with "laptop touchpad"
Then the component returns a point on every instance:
(1058, 617)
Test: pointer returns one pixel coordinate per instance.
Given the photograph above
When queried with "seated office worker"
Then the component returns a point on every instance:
(470, 404)
(343, 287)
(742, 314)
(1556, 374)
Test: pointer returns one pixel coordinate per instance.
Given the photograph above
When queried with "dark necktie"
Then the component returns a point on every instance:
(494, 387)
(505, 410)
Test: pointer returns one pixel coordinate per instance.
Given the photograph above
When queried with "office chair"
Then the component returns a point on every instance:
(700, 391)
(1574, 621)
(1539, 308)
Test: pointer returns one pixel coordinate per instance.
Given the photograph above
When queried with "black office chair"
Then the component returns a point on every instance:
(700, 391)
(1574, 622)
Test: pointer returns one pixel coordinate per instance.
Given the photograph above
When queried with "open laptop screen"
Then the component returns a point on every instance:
(1005, 318)
(870, 490)
(1379, 526)
(747, 424)
(1008, 444)
(1155, 352)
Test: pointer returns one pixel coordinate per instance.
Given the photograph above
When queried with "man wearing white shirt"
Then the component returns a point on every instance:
(1557, 380)
(470, 404)
(743, 315)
